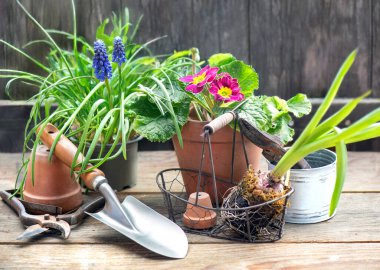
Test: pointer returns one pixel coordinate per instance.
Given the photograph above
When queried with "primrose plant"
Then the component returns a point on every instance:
(227, 84)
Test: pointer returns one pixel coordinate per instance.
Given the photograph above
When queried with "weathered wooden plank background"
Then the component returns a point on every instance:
(295, 45)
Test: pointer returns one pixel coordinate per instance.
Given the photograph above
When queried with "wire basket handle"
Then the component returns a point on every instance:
(219, 122)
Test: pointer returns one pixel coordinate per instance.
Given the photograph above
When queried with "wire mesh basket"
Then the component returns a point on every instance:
(232, 218)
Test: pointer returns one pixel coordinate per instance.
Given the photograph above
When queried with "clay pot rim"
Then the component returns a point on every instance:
(197, 121)
(134, 140)
(48, 198)
(202, 223)
(203, 123)
(43, 150)
(191, 218)
(53, 184)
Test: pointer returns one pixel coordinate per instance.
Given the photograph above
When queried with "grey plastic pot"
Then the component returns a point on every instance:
(313, 189)
(121, 173)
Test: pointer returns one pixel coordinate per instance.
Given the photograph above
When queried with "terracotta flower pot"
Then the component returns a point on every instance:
(197, 217)
(189, 157)
(52, 183)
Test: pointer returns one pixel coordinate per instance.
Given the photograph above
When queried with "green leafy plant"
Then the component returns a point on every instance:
(228, 84)
(320, 135)
(139, 98)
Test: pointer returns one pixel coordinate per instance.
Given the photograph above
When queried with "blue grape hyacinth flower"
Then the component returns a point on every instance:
(101, 63)
(118, 54)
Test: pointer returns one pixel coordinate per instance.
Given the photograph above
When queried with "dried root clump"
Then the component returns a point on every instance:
(263, 222)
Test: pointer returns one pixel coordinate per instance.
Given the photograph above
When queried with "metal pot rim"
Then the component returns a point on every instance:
(316, 168)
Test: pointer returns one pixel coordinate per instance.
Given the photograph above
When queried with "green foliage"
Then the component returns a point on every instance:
(280, 110)
(246, 75)
(143, 98)
(282, 129)
(299, 105)
(317, 136)
(270, 114)
(341, 168)
(253, 111)
(220, 59)
(151, 123)
(273, 114)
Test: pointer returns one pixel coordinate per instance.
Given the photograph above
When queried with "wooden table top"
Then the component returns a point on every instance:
(351, 240)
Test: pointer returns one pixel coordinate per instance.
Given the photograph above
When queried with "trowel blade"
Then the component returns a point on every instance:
(149, 228)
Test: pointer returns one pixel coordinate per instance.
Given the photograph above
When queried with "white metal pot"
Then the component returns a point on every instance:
(313, 189)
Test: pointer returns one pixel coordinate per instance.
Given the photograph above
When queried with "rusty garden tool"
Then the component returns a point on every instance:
(273, 149)
(38, 208)
(38, 224)
(131, 218)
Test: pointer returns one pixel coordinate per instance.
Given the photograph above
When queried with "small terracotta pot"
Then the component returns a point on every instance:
(189, 157)
(197, 217)
(52, 183)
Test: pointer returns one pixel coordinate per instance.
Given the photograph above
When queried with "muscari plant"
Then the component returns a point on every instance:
(228, 84)
(98, 102)
(259, 187)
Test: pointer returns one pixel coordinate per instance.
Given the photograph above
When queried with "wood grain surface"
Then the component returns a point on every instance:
(343, 228)
(211, 256)
(350, 240)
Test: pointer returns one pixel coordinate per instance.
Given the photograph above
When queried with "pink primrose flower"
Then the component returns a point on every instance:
(197, 81)
(225, 88)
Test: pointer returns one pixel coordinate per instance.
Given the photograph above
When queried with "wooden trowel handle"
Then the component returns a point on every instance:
(65, 151)
(219, 122)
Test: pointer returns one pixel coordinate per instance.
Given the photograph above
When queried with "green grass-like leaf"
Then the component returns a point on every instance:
(48, 36)
(298, 150)
(39, 64)
(337, 117)
(370, 132)
(341, 168)
(83, 112)
(330, 94)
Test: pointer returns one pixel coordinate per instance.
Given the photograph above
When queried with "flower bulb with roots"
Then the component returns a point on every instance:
(260, 187)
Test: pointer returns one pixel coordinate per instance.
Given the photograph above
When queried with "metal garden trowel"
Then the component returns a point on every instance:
(131, 218)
